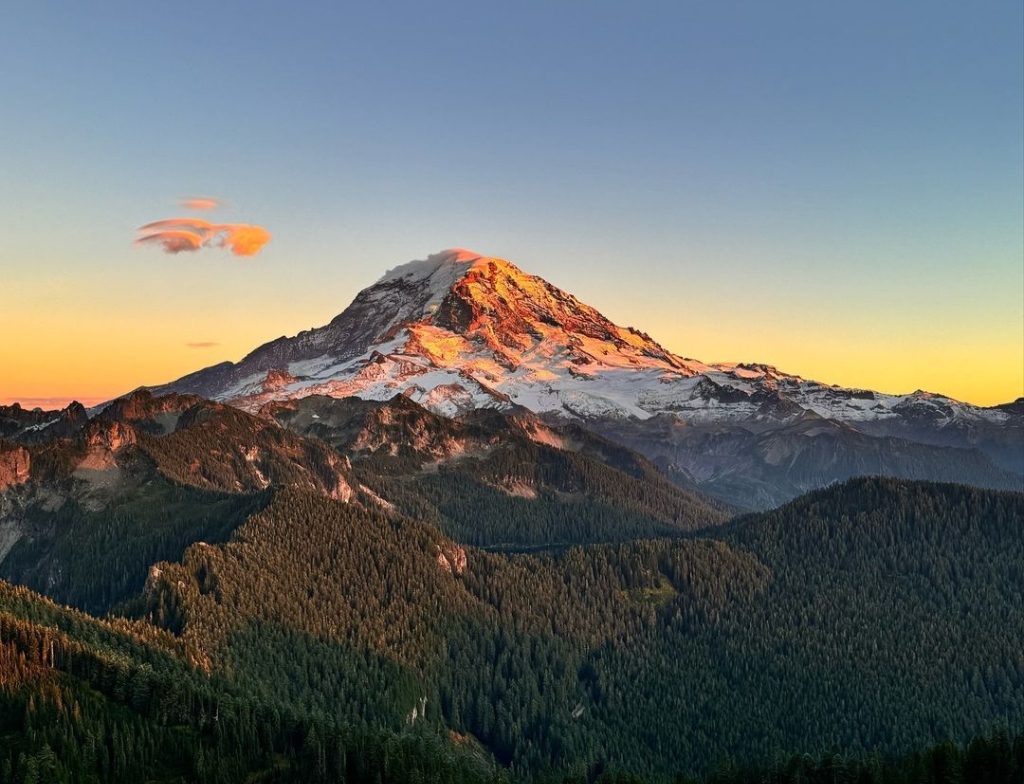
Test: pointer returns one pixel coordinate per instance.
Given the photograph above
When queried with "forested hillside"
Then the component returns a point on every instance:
(847, 620)
(86, 701)
(95, 558)
(493, 479)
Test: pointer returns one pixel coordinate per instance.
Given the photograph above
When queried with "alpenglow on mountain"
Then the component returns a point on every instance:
(460, 331)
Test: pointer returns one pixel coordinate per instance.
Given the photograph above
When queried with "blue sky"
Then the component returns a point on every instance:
(835, 189)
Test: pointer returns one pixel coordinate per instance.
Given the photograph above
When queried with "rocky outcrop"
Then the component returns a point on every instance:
(451, 559)
(15, 462)
(108, 434)
(277, 379)
(103, 439)
(38, 426)
(340, 466)
(14, 419)
(152, 414)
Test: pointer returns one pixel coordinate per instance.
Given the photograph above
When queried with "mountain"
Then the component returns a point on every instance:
(460, 331)
(762, 468)
(140, 483)
(149, 476)
(494, 479)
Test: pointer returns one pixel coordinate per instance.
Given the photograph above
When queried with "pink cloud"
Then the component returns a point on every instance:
(191, 234)
(173, 240)
(200, 203)
(203, 344)
(244, 240)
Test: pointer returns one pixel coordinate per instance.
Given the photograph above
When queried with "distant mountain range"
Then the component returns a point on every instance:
(460, 331)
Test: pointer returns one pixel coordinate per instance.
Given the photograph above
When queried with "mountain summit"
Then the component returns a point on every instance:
(458, 331)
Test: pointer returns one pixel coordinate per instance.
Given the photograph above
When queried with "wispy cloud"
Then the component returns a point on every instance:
(200, 203)
(191, 234)
(203, 344)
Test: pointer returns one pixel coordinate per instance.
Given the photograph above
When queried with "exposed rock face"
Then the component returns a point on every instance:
(15, 462)
(451, 559)
(342, 490)
(184, 437)
(278, 379)
(108, 434)
(103, 439)
(74, 416)
(498, 305)
(149, 413)
(220, 447)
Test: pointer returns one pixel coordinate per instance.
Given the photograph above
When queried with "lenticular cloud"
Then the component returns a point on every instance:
(191, 234)
(200, 203)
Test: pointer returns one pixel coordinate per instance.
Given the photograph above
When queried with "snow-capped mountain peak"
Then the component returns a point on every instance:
(492, 302)
(460, 330)
(414, 290)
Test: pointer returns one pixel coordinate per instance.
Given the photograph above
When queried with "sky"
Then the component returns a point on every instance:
(836, 189)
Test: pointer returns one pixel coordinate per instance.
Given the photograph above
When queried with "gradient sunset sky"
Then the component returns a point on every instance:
(836, 189)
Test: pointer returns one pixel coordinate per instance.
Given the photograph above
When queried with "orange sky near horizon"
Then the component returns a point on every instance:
(795, 184)
(93, 361)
